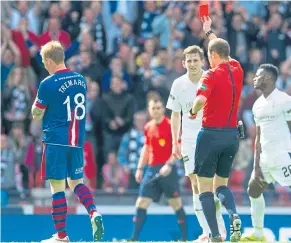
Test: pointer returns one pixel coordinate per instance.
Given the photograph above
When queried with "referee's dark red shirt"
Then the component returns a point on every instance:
(223, 95)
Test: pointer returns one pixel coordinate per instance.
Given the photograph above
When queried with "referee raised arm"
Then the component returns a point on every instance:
(218, 142)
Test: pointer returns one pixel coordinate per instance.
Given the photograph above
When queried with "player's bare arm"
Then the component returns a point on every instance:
(175, 128)
(37, 113)
(257, 148)
(144, 157)
(167, 168)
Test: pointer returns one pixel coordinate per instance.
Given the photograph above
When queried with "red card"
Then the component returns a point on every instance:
(203, 10)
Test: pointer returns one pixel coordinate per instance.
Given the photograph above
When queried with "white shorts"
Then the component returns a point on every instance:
(278, 170)
(188, 153)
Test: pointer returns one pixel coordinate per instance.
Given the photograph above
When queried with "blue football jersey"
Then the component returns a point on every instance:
(63, 95)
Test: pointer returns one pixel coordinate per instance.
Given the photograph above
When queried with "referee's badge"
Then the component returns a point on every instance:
(203, 87)
(162, 142)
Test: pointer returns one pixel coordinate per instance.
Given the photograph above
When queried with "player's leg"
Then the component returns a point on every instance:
(170, 187)
(255, 191)
(85, 196)
(200, 215)
(280, 173)
(225, 195)
(59, 206)
(188, 151)
(141, 205)
(54, 169)
(148, 192)
(198, 210)
(205, 167)
(176, 204)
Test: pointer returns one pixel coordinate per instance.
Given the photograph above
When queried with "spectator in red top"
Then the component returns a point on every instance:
(55, 33)
(161, 174)
(26, 41)
(217, 142)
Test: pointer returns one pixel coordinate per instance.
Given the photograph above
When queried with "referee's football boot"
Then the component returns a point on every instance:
(235, 228)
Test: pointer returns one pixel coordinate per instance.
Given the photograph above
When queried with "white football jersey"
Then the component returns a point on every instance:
(271, 115)
(182, 96)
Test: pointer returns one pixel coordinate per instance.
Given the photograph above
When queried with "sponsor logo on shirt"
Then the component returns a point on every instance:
(267, 118)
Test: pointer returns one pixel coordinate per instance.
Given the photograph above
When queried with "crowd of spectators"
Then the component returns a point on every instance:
(128, 52)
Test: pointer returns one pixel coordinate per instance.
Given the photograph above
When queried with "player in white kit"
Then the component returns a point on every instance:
(272, 160)
(181, 98)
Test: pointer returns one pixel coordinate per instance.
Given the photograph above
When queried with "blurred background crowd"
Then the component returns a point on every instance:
(128, 52)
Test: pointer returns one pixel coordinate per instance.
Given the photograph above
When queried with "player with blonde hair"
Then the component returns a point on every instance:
(61, 105)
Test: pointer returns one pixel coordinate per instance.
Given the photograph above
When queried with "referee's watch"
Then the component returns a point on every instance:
(208, 33)
(191, 112)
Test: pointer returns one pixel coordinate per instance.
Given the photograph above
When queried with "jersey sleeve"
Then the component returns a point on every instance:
(287, 108)
(255, 117)
(206, 84)
(42, 97)
(173, 101)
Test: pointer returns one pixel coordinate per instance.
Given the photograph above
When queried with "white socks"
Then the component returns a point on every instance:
(200, 215)
(258, 212)
(220, 220)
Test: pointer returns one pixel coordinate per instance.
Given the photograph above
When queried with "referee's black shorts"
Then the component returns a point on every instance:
(215, 151)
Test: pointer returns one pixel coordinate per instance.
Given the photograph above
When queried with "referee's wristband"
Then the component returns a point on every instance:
(140, 169)
(208, 33)
(191, 112)
(170, 164)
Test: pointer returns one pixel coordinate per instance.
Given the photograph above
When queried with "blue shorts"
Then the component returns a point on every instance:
(60, 162)
(169, 185)
(215, 152)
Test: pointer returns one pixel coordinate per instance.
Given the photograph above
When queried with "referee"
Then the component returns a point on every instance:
(218, 142)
